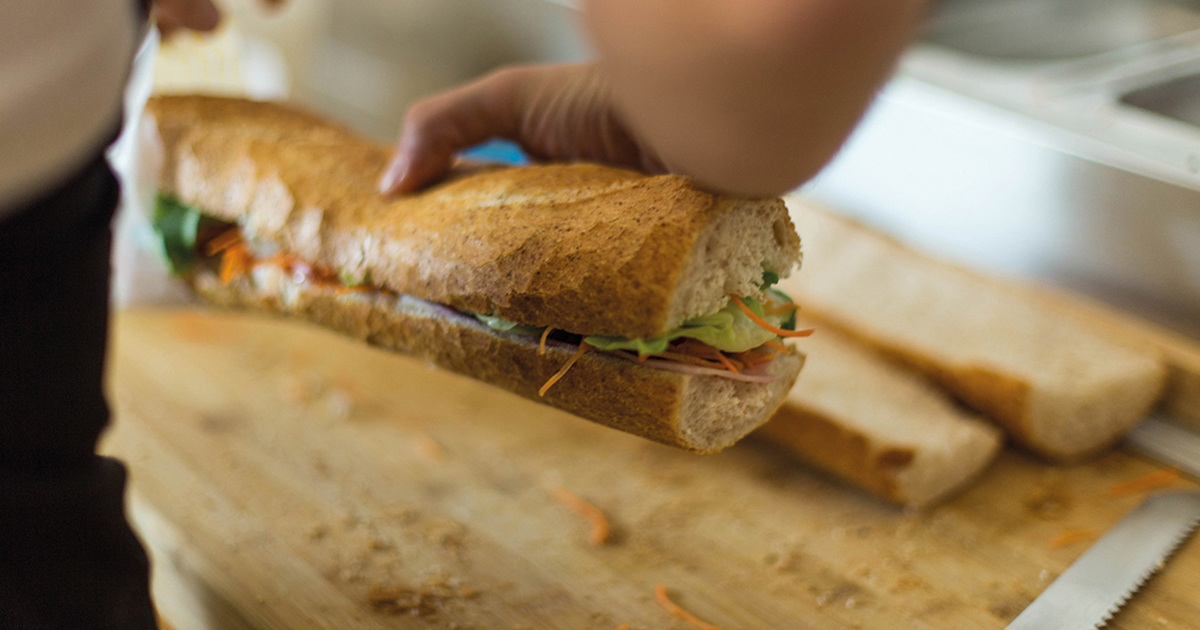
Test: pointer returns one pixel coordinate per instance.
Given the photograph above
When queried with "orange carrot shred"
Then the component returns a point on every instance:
(1145, 483)
(1072, 536)
(660, 593)
(780, 309)
(223, 241)
(563, 370)
(542, 345)
(623, 626)
(234, 262)
(727, 363)
(575, 503)
(768, 326)
(429, 447)
(778, 346)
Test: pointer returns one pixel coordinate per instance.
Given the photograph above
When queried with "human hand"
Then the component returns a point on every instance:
(555, 112)
(196, 15)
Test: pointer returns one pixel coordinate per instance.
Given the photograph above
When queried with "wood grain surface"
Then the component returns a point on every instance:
(287, 478)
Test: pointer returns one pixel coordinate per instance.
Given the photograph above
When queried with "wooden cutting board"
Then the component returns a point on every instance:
(287, 478)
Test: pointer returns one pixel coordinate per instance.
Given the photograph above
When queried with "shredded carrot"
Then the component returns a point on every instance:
(660, 593)
(223, 241)
(729, 365)
(563, 370)
(1072, 536)
(623, 626)
(343, 289)
(780, 309)
(1145, 483)
(429, 447)
(234, 262)
(575, 503)
(693, 360)
(778, 346)
(542, 345)
(754, 358)
(765, 324)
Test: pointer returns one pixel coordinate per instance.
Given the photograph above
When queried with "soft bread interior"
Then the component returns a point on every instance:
(742, 239)
(720, 411)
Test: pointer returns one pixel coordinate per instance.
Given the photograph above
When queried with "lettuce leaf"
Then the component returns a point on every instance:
(503, 325)
(177, 225)
(728, 329)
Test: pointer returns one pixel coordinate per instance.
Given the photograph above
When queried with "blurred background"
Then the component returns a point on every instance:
(1052, 140)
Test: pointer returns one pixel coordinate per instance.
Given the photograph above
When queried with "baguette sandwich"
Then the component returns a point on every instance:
(641, 303)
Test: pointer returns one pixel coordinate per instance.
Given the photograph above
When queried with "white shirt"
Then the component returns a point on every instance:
(63, 65)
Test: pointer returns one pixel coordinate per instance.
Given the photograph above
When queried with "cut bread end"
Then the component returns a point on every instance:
(744, 239)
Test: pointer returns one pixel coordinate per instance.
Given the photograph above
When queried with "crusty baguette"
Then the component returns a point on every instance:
(582, 248)
(697, 413)
(879, 425)
(1058, 387)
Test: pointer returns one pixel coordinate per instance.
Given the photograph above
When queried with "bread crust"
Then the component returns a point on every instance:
(583, 248)
(1060, 388)
(878, 425)
(690, 412)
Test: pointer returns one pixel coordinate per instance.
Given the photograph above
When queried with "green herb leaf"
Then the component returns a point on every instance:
(770, 278)
(177, 225)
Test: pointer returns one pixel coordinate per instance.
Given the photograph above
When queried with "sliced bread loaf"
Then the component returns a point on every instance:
(1059, 387)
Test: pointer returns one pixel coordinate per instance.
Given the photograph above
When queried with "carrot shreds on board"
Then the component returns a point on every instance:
(1072, 536)
(542, 345)
(623, 626)
(429, 447)
(224, 241)
(234, 262)
(778, 346)
(563, 370)
(765, 324)
(660, 593)
(575, 503)
(1145, 483)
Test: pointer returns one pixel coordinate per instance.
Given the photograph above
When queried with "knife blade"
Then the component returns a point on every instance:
(1095, 587)
(1168, 443)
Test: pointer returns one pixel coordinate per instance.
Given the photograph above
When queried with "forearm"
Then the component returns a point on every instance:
(748, 96)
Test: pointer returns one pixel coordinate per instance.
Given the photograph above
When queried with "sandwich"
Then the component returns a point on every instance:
(641, 303)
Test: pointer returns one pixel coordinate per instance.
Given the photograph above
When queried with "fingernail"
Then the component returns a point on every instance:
(392, 174)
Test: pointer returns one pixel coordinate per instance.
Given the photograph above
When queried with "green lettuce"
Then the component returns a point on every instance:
(729, 329)
(177, 226)
(501, 324)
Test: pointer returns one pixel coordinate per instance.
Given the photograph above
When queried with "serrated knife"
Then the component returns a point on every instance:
(1095, 587)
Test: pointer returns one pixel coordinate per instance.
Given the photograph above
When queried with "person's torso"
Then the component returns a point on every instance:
(63, 65)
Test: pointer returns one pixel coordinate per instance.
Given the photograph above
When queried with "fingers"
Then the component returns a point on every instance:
(197, 15)
(437, 128)
(555, 112)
